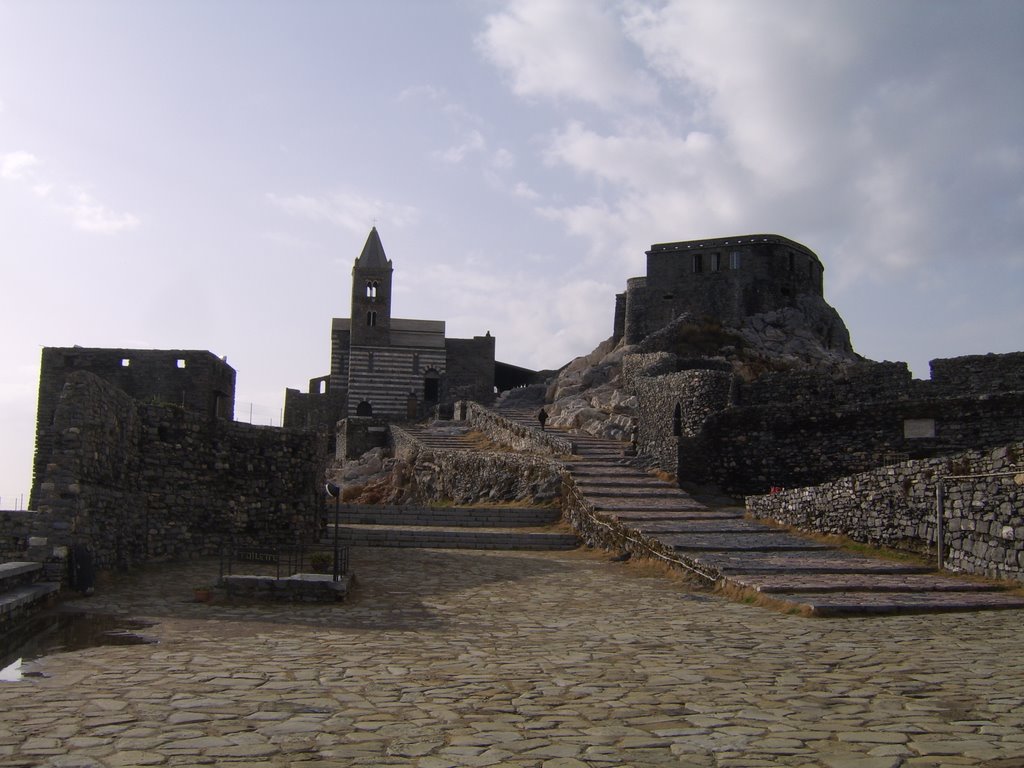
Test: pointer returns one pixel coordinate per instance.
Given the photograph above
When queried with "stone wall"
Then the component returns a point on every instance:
(672, 405)
(474, 477)
(144, 481)
(980, 373)
(470, 369)
(195, 380)
(512, 434)
(895, 507)
(727, 279)
(358, 434)
(752, 448)
(865, 382)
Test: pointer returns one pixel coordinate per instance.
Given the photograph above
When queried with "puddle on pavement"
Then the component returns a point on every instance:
(59, 632)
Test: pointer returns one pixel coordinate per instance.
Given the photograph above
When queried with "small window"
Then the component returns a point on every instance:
(180, 362)
(125, 362)
(792, 262)
(371, 289)
(698, 262)
(323, 387)
(371, 319)
(716, 262)
(734, 260)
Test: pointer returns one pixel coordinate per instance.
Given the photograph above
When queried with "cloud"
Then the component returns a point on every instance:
(90, 215)
(565, 49)
(87, 214)
(15, 165)
(349, 210)
(474, 143)
(879, 133)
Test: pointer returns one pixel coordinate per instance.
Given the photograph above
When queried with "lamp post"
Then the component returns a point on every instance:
(334, 492)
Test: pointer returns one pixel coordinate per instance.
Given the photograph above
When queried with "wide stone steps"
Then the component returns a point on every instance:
(436, 537)
(449, 517)
(748, 557)
(21, 591)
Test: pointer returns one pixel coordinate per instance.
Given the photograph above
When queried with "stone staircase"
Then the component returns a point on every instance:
(747, 558)
(22, 590)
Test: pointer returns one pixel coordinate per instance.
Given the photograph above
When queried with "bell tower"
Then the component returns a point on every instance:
(371, 295)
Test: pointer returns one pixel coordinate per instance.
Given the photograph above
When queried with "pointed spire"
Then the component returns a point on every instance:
(373, 256)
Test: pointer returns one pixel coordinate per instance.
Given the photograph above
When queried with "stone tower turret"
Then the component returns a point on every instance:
(371, 295)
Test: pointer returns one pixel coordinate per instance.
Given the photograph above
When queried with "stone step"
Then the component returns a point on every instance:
(452, 517)
(18, 573)
(890, 603)
(858, 582)
(692, 525)
(766, 541)
(451, 538)
(635, 517)
(19, 599)
(829, 561)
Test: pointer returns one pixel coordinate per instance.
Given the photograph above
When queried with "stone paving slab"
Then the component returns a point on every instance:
(532, 660)
(860, 603)
(844, 582)
(741, 542)
(693, 525)
(826, 561)
(639, 514)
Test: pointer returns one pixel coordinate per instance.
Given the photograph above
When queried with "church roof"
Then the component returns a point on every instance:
(373, 256)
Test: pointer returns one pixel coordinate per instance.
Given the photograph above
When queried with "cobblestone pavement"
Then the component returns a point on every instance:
(553, 659)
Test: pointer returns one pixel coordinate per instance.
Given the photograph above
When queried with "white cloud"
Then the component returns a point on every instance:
(15, 165)
(474, 143)
(503, 160)
(349, 210)
(570, 49)
(525, 191)
(879, 133)
(90, 215)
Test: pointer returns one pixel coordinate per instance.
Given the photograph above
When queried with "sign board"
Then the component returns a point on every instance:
(915, 429)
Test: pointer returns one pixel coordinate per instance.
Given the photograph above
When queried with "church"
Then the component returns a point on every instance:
(392, 368)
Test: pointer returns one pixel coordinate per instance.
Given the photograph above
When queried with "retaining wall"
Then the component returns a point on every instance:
(895, 507)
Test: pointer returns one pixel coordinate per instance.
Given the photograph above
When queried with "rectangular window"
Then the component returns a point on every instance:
(716, 262)
(734, 260)
(125, 362)
(181, 362)
(698, 263)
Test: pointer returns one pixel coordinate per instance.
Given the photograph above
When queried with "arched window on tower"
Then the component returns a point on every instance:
(371, 289)
(371, 319)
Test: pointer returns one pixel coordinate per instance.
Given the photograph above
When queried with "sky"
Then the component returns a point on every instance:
(201, 174)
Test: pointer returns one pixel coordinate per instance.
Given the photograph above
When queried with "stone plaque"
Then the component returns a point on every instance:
(915, 429)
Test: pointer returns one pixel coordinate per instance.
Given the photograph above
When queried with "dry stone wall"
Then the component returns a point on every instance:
(512, 434)
(137, 482)
(474, 477)
(895, 507)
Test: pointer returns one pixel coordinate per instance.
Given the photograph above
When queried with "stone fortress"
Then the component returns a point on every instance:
(726, 367)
